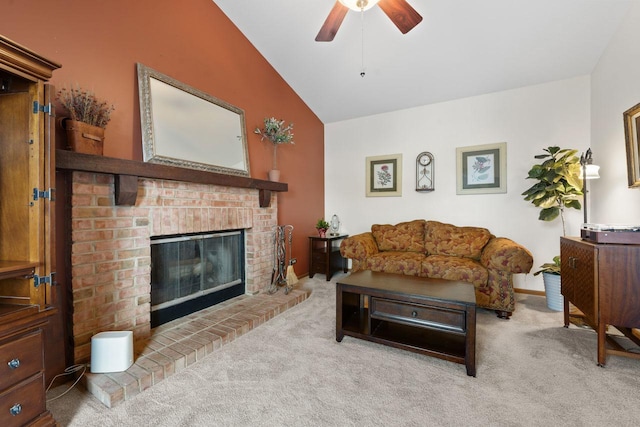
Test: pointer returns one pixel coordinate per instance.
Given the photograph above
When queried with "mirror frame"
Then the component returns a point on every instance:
(152, 150)
(631, 133)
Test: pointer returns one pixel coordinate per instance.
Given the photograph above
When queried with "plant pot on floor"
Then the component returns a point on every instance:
(552, 287)
(84, 138)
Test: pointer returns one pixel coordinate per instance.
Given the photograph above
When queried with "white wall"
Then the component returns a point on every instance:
(615, 86)
(527, 119)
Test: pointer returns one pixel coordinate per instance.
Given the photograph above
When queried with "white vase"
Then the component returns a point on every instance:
(552, 287)
(274, 175)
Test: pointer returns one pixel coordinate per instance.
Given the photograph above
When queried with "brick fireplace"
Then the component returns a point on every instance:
(110, 244)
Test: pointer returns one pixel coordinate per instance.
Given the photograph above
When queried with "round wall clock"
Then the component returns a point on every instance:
(424, 172)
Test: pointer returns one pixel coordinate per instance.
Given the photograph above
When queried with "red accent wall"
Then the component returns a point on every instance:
(99, 43)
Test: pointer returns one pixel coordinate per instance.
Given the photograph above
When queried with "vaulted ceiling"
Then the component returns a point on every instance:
(461, 48)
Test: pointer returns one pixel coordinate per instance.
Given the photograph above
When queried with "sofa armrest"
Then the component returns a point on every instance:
(506, 255)
(359, 246)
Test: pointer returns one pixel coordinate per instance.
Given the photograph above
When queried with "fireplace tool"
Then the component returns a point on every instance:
(282, 235)
(292, 279)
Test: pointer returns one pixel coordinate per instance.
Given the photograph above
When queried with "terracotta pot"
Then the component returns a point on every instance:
(274, 175)
(84, 138)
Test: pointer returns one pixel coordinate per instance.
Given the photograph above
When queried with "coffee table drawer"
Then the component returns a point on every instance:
(419, 315)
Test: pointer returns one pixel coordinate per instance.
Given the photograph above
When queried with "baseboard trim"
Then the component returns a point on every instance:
(529, 292)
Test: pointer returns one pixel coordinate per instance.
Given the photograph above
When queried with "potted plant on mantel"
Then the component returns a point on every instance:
(558, 186)
(89, 118)
(275, 131)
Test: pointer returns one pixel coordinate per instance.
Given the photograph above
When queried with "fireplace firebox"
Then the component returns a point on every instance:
(194, 271)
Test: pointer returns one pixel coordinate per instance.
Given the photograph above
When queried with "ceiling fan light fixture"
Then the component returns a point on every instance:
(359, 5)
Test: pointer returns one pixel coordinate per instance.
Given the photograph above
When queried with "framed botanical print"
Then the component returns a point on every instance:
(481, 169)
(384, 175)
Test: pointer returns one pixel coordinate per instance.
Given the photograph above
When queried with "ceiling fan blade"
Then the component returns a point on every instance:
(401, 13)
(332, 23)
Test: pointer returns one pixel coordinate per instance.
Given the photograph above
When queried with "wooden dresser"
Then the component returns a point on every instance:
(22, 382)
(27, 250)
(603, 282)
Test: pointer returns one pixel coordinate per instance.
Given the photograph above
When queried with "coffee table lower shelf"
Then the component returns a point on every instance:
(441, 344)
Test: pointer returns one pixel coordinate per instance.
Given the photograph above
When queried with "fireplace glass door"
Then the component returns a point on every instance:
(189, 273)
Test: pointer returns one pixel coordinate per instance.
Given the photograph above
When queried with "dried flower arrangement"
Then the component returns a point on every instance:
(275, 131)
(83, 106)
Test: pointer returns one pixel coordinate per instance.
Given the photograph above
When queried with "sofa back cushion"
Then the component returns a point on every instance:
(447, 239)
(405, 236)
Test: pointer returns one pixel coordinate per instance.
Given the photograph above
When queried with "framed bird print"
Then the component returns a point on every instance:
(481, 169)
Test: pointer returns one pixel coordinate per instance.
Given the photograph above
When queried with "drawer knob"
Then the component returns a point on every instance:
(15, 409)
(414, 314)
(14, 363)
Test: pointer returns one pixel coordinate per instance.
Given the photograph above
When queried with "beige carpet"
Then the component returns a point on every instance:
(531, 371)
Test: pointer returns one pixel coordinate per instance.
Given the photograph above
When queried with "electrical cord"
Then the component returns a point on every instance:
(70, 370)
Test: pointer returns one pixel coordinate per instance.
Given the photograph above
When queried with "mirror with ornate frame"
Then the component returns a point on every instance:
(183, 126)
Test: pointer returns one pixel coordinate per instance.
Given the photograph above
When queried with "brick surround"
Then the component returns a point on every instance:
(110, 246)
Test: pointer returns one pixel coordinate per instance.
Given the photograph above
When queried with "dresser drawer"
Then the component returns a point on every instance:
(20, 358)
(418, 315)
(23, 403)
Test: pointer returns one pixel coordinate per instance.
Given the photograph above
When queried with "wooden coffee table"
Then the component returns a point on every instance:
(430, 316)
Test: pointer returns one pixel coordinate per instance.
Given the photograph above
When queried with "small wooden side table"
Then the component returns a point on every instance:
(324, 255)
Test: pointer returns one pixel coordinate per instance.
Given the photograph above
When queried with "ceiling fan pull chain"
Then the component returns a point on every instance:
(362, 73)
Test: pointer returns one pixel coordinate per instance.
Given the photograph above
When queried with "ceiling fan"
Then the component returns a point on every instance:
(400, 12)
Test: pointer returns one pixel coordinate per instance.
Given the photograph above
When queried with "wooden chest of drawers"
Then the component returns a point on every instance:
(22, 384)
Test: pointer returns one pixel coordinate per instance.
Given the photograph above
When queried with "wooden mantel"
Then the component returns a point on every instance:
(127, 172)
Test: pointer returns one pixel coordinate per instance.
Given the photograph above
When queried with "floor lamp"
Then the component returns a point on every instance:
(589, 171)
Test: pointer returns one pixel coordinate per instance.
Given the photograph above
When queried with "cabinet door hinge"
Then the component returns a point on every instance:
(39, 280)
(44, 194)
(37, 108)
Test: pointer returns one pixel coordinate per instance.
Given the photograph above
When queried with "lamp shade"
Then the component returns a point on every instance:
(592, 171)
(359, 5)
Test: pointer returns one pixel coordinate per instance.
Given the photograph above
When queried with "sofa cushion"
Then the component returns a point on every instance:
(405, 236)
(455, 268)
(405, 262)
(447, 239)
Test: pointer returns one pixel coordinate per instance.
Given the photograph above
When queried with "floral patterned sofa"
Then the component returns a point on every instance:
(434, 249)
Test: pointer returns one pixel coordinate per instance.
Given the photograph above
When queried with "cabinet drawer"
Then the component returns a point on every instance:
(418, 315)
(23, 403)
(20, 358)
(319, 257)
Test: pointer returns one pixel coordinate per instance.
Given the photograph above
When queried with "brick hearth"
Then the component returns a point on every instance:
(182, 342)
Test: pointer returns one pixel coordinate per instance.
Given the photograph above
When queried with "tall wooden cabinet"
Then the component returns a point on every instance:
(603, 282)
(27, 258)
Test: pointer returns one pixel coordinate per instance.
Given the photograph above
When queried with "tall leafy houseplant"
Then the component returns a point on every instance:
(277, 133)
(558, 186)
